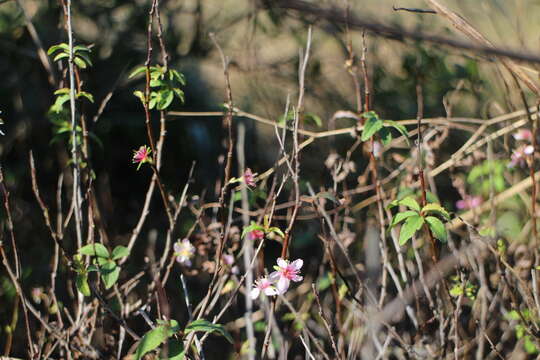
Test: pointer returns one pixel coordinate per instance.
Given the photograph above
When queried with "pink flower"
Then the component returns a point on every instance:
(285, 272)
(256, 234)
(142, 156)
(229, 260)
(377, 149)
(265, 286)
(520, 154)
(184, 251)
(249, 177)
(469, 202)
(523, 134)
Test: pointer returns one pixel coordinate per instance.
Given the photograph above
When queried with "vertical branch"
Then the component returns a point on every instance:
(248, 243)
(74, 146)
(147, 86)
(419, 116)
(227, 123)
(296, 150)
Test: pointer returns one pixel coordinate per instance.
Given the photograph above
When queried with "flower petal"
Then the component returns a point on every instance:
(297, 278)
(282, 284)
(270, 291)
(255, 292)
(274, 276)
(297, 264)
(282, 263)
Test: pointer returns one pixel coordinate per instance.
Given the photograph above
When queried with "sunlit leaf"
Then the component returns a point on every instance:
(202, 325)
(411, 226)
(437, 228)
(95, 249)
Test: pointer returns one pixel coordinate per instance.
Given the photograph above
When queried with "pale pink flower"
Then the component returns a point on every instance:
(142, 156)
(37, 293)
(377, 149)
(520, 154)
(469, 202)
(229, 260)
(249, 177)
(523, 134)
(184, 251)
(285, 272)
(256, 235)
(265, 286)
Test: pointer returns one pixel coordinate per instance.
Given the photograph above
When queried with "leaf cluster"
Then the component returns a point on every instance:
(431, 214)
(103, 262)
(165, 84)
(374, 125)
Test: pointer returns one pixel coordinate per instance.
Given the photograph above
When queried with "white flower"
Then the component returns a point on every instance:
(265, 286)
(184, 251)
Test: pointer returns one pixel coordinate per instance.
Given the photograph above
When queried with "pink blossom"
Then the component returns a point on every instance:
(285, 272)
(256, 234)
(184, 251)
(377, 149)
(249, 177)
(520, 154)
(265, 286)
(469, 202)
(229, 260)
(142, 156)
(523, 134)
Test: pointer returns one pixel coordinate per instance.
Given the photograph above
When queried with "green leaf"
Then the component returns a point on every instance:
(86, 95)
(152, 103)
(437, 227)
(167, 97)
(456, 290)
(179, 93)
(386, 136)
(120, 252)
(60, 56)
(62, 91)
(314, 119)
(59, 103)
(400, 128)
(410, 203)
(140, 95)
(402, 216)
(208, 327)
(411, 226)
(176, 350)
(109, 274)
(152, 340)
(137, 71)
(85, 58)
(436, 208)
(95, 249)
(250, 228)
(277, 231)
(371, 126)
(529, 345)
(81, 48)
(54, 48)
(79, 62)
(81, 281)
